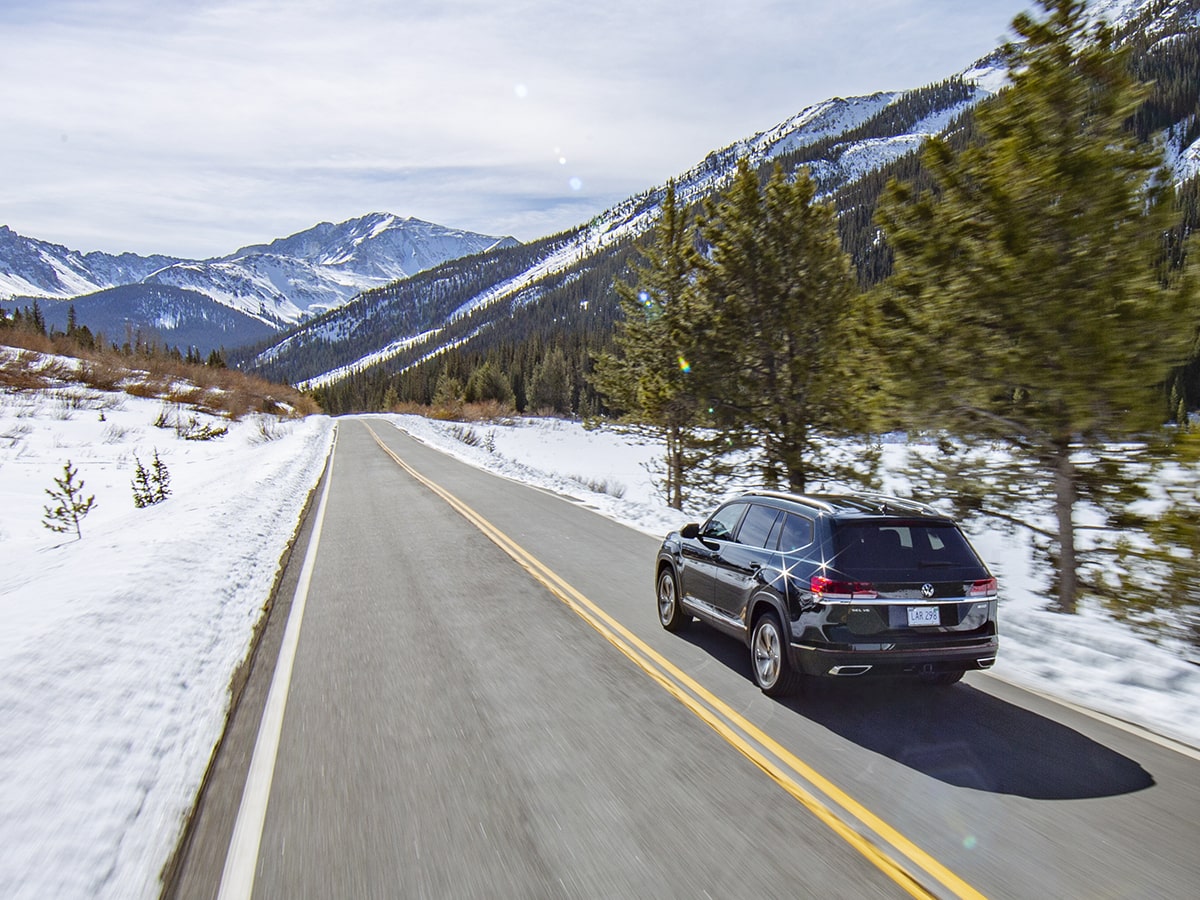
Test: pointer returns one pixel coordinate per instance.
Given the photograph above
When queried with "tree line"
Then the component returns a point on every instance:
(30, 320)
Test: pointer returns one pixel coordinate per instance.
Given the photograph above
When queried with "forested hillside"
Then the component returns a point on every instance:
(423, 328)
(577, 302)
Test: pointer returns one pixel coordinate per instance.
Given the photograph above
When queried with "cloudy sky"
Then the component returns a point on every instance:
(192, 127)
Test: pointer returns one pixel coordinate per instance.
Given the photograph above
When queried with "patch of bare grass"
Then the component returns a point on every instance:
(228, 393)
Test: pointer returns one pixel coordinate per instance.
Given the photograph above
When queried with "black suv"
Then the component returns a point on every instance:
(833, 585)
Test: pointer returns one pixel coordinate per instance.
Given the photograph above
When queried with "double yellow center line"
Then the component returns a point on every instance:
(884, 846)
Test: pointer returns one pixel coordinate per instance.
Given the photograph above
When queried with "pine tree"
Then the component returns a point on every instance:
(449, 393)
(37, 320)
(550, 386)
(779, 295)
(1027, 300)
(69, 504)
(486, 383)
(152, 485)
(647, 374)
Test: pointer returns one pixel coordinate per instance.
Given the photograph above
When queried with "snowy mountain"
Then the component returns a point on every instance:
(320, 269)
(849, 145)
(33, 268)
(279, 284)
(846, 138)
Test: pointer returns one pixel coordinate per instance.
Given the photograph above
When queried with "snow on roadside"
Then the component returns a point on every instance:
(118, 649)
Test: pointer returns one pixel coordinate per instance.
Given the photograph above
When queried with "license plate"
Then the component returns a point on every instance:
(924, 615)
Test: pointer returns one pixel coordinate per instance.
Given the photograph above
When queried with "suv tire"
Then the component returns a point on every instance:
(769, 660)
(671, 615)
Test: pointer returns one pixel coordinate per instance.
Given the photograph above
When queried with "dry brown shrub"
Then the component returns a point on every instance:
(186, 396)
(146, 388)
(27, 340)
(446, 412)
(21, 378)
(306, 405)
(58, 370)
(226, 392)
(102, 374)
(236, 403)
(486, 411)
(410, 408)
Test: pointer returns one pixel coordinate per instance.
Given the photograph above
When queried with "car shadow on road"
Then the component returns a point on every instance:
(958, 735)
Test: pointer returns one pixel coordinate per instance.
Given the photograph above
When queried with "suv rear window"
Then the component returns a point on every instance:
(892, 544)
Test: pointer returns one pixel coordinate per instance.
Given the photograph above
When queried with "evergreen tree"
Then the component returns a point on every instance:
(69, 506)
(1028, 300)
(486, 383)
(449, 393)
(550, 387)
(776, 295)
(37, 320)
(647, 374)
(152, 485)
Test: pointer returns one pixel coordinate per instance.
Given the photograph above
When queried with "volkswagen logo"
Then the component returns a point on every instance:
(927, 591)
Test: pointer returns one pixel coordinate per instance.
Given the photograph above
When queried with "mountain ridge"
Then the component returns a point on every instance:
(279, 283)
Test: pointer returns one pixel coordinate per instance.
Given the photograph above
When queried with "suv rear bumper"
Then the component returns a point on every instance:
(895, 659)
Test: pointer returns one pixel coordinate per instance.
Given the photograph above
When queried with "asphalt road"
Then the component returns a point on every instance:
(482, 704)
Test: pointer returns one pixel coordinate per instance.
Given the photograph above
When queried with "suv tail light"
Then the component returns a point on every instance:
(827, 589)
(985, 587)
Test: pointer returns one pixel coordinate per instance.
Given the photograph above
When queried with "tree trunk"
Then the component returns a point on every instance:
(1064, 508)
(675, 467)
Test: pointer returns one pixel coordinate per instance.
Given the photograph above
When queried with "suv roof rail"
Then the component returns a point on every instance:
(795, 498)
(924, 507)
(831, 503)
(897, 504)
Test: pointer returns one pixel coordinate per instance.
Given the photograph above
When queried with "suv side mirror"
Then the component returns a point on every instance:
(691, 531)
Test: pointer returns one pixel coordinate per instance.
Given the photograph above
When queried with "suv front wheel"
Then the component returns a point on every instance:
(672, 616)
(773, 671)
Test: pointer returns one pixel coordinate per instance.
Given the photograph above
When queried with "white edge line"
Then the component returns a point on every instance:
(241, 861)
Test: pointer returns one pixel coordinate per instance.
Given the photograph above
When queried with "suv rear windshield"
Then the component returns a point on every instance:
(867, 546)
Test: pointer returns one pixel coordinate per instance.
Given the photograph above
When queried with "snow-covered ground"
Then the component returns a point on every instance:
(117, 649)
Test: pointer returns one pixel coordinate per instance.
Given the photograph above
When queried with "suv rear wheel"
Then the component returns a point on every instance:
(670, 613)
(773, 671)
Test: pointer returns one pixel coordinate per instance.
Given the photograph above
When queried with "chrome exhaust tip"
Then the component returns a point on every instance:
(849, 670)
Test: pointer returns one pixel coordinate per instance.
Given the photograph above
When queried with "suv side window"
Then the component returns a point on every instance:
(757, 526)
(724, 522)
(797, 533)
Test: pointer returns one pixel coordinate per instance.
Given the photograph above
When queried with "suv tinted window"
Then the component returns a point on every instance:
(724, 521)
(756, 527)
(901, 545)
(797, 533)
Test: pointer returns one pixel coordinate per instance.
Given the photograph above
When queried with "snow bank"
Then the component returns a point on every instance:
(118, 649)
